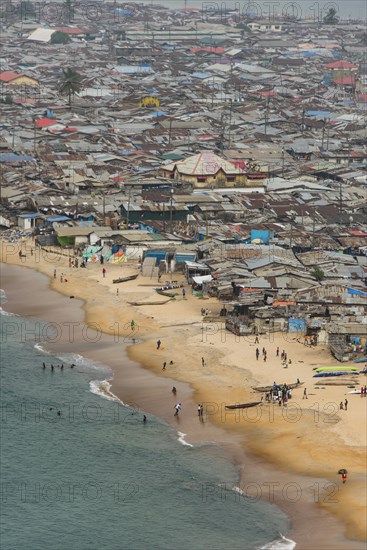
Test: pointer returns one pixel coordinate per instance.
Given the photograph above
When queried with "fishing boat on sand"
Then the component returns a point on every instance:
(244, 405)
(335, 373)
(167, 293)
(125, 279)
(269, 388)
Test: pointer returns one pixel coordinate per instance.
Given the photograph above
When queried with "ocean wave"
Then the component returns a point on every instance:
(181, 438)
(39, 347)
(281, 543)
(84, 363)
(7, 313)
(102, 388)
(3, 297)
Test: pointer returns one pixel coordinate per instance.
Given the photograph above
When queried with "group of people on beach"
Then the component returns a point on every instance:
(281, 394)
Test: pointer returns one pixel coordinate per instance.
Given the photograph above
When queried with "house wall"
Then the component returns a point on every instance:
(23, 81)
(217, 180)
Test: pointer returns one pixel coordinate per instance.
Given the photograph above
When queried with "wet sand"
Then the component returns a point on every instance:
(272, 449)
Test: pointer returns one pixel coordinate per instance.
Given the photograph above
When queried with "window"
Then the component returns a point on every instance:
(201, 179)
(231, 178)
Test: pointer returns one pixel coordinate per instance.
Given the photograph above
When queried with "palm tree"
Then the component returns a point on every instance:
(71, 83)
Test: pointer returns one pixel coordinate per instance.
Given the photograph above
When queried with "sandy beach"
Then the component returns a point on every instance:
(288, 455)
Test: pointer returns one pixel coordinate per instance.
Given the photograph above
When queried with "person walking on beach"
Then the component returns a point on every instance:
(305, 394)
(257, 354)
(344, 477)
(55, 273)
(132, 325)
(202, 362)
(158, 344)
(183, 293)
(265, 354)
(199, 410)
(278, 351)
(61, 278)
(341, 406)
(256, 339)
(104, 272)
(177, 409)
(174, 391)
(346, 404)
(164, 366)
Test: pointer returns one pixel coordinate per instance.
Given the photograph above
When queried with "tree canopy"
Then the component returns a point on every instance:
(59, 37)
(71, 83)
(331, 17)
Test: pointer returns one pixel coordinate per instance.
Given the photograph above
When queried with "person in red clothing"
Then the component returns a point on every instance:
(104, 272)
(344, 477)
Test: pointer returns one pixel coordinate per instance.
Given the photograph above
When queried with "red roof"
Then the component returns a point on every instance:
(345, 81)
(212, 50)
(340, 65)
(71, 30)
(357, 233)
(44, 122)
(268, 93)
(8, 76)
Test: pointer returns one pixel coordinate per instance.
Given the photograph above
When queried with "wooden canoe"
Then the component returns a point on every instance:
(125, 279)
(244, 405)
(149, 303)
(269, 388)
(167, 293)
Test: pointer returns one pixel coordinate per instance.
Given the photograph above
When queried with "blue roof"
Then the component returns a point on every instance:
(12, 157)
(57, 219)
(133, 69)
(201, 75)
(318, 113)
(30, 216)
(123, 12)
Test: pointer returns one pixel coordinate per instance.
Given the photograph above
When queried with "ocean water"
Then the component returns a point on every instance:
(81, 471)
(302, 9)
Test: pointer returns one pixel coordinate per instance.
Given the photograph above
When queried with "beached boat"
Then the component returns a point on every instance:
(167, 293)
(125, 279)
(244, 405)
(149, 303)
(338, 369)
(362, 360)
(268, 388)
(334, 373)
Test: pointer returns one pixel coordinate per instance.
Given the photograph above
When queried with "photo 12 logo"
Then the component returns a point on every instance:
(266, 11)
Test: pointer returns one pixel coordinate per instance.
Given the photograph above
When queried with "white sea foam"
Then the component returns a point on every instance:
(181, 438)
(3, 298)
(7, 313)
(84, 363)
(40, 348)
(102, 388)
(281, 543)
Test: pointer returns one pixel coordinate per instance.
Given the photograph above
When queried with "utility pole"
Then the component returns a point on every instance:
(282, 163)
(170, 211)
(128, 209)
(340, 203)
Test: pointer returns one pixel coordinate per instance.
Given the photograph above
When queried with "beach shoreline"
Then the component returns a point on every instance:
(144, 385)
